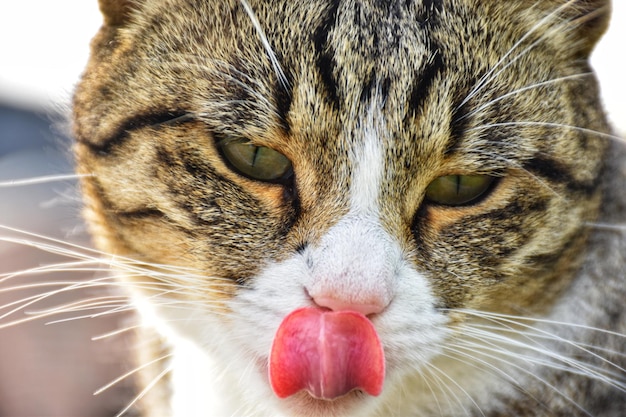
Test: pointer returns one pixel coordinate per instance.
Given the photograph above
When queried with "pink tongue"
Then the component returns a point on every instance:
(326, 353)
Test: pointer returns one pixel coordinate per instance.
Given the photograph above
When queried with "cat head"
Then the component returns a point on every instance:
(414, 162)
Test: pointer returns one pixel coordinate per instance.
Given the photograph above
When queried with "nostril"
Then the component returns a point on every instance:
(336, 304)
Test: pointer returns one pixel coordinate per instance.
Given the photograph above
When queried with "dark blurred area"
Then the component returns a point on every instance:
(49, 369)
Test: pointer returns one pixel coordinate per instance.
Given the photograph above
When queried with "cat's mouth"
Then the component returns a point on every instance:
(328, 354)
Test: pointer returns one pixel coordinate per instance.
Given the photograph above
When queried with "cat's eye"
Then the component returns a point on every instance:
(458, 190)
(256, 162)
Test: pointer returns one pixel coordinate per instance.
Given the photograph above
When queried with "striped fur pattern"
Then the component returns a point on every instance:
(511, 304)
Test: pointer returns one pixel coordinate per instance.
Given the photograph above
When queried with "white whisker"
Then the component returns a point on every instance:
(516, 165)
(522, 90)
(459, 387)
(528, 346)
(129, 374)
(117, 332)
(519, 320)
(145, 390)
(425, 378)
(41, 180)
(496, 70)
(282, 78)
(605, 226)
(544, 357)
(548, 124)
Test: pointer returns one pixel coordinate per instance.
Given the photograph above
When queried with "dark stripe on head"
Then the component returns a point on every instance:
(431, 6)
(139, 214)
(548, 168)
(425, 78)
(556, 172)
(458, 127)
(376, 87)
(324, 57)
(139, 121)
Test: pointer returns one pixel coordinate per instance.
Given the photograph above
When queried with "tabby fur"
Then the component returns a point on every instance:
(509, 306)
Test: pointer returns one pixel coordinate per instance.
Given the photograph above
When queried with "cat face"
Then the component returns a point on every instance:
(415, 163)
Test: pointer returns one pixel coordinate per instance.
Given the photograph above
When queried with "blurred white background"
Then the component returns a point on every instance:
(43, 48)
(44, 45)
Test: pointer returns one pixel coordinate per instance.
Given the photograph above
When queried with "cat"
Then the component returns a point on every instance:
(360, 208)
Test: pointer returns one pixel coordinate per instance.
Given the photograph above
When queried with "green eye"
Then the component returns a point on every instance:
(257, 162)
(457, 190)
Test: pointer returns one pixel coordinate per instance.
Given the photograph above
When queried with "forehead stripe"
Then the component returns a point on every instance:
(324, 59)
(139, 121)
(425, 80)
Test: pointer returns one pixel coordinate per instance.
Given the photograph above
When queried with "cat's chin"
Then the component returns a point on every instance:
(303, 404)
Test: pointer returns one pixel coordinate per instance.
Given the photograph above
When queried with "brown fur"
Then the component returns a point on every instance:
(162, 194)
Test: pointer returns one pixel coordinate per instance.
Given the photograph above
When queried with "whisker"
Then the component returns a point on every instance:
(41, 180)
(563, 363)
(492, 339)
(470, 353)
(50, 244)
(548, 124)
(458, 386)
(89, 316)
(129, 374)
(268, 48)
(513, 164)
(492, 74)
(431, 389)
(444, 389)
(163, 273)
(54, 268)
(522, 90)
(532, 336)
(518, 320)
(476, 363)
(93, 304)
(117, 332)
(605, 226)
(145, 390)
(31, 300)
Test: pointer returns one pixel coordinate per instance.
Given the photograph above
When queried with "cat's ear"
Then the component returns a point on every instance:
(116, 12)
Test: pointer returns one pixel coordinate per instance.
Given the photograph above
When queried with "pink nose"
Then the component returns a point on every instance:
(336, 304)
